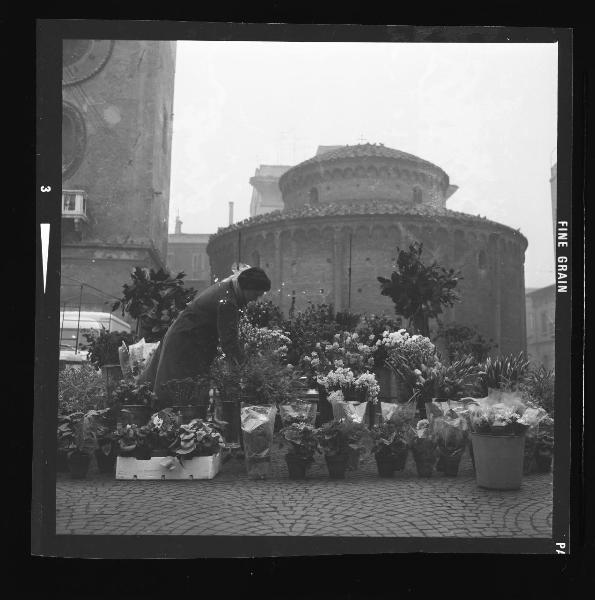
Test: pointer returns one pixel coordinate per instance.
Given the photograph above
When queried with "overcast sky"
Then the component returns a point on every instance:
(485, 113)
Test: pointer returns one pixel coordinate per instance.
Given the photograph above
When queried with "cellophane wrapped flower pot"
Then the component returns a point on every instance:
(423, 448)
(390, 446)
(258, 424)
(297, 411)
(450, 431)
(334, 440)
(301, 443)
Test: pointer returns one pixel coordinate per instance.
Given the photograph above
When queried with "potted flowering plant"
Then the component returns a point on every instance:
(301, 443)
(451, 437)
(134, 441)
(135, 402)
(66, 439)
(334, 439)
(390, 448)
(197, 438)
(498, 440)
(544, 445)
(423, 448)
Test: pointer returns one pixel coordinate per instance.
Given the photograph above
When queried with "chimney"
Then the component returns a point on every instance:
(178, 224)
(231, 213)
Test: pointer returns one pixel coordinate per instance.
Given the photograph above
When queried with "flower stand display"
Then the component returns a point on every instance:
(168, 467)
(498, 460)
(258, 423)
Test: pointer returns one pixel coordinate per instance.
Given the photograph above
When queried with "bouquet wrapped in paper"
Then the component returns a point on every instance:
(297, 411)
(348, 410)
(398, 413)
(258, 423)
(139, 355)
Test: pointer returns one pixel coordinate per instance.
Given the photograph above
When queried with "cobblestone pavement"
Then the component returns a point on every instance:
(361, 505)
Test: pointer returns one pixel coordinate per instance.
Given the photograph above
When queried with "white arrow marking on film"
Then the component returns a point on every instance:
(45, 241)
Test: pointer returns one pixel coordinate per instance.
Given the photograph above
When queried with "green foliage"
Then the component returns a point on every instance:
(155, 298)
(300, 440)
(346, 320)
(503, 372)
(389, 438)
(260, 378)
(538, 386)
(198, 438)
(340, 437)
(462, 340)
(80, 388)
(264, 314)
(81, 431)
(103, 346)
(420, 292)
(128, 392)
(185, 392)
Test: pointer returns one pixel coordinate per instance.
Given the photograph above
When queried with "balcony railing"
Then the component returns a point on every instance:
(74, 205)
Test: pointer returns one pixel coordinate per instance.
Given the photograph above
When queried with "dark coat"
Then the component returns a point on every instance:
(190, 343)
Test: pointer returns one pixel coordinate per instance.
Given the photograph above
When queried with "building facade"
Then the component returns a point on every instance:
(345, 213)
(541, 319)
(116, 154)
(188, 252)
(266, 195)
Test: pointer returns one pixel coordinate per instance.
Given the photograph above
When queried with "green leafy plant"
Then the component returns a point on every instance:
(300, 440)
(462, 340)
(389, 439)
(342, 436)
(135, 441)
(80, 388)
(129, 393)
(418, 291)
(103, 346)
(198, 438)
(264, 314)
(503, 372)
(81, 432)
(538, 387)
(154, 299)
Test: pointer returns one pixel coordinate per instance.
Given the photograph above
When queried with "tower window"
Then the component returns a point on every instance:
(481, 259)
(314, 196)
(417, 196)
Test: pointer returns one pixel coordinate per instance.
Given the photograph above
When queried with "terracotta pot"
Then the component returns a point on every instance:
(400, 458)
(451, 464)
(424, 463)
(78, 464)
(336, 466)
(106, 463)
(296, 466)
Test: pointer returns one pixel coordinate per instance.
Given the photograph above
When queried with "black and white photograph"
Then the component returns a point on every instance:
(299, 289)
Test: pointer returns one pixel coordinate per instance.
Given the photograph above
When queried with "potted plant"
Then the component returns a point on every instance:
(451, 438)
(300, 440)
(333, 438)
(389, 447)
(103, 354)
(66, 439)
(80, 389)
(135, 402)
(498, 439)
(544, 446)
(154, 299)
(423, 448)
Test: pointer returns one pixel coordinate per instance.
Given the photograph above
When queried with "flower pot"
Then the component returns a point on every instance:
(62, 461)
(230, 413)
(78, 464)
(112, 375)
(543, 462)
(451, 464)
(400, 458)
(336, 466)
(296, 466)
(134, 414)
(257, 424)
(106, 463)
(529, 455)
(190, 412)
(325, 408)
(353, 458)
(498, 460)
(386, 465)
(424, 460)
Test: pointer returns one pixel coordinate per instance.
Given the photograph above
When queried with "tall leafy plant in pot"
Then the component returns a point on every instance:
(419, 291)
(301, 443)
(154, 299)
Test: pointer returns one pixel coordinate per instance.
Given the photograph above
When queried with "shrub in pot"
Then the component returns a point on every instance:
(544, 445)
(197, 438)
(451, 438)
(300, 440)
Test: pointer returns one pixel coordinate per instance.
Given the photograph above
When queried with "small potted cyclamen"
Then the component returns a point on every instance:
(301, 443)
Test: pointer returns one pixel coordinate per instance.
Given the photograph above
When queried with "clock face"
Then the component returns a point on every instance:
(82, 59)
(74, 139)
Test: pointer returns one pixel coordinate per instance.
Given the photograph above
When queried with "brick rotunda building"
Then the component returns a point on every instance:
(346, 211)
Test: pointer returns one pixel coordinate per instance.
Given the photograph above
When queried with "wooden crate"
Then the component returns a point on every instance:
(201, 467)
